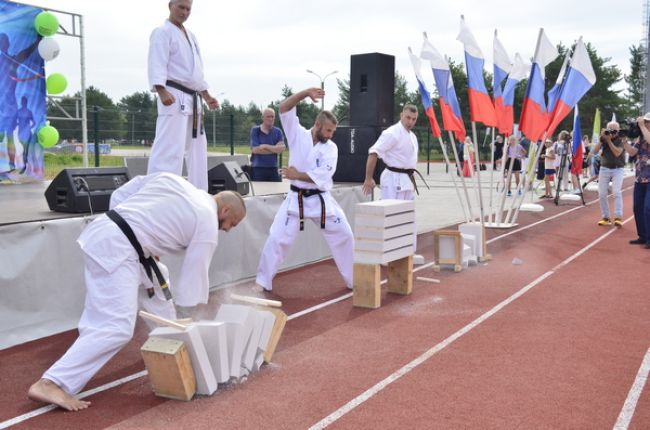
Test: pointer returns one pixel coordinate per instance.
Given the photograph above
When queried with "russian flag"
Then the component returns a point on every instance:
(519, 71)
(534, 115)
(554, 93)
(502, 67)
(424, 95)
(451, 117)
(481, 108)
(578, 148)
(580, 78)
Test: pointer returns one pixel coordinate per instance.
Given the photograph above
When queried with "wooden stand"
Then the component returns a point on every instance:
(441, 257)
(367, 283)
(170, 368)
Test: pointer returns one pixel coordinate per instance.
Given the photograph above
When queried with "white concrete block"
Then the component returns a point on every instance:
(376, 233)
(265, 335)
(475, 229)
(215, 340)
(206, 382)
(239, 327)
(385, 207)
(365, 257)
(250, 350)
(366, 220)
(383, 245)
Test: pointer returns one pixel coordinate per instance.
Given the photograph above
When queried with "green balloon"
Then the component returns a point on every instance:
(48, 136)
(56, 83)
(46, 24)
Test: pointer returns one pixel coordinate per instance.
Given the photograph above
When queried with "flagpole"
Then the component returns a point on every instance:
(459, 171)
(530, 175)
(508, 178)
(453, 180)
(491, 213)
(478, 174)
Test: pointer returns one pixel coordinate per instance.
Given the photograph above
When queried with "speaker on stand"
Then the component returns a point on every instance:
(228, 176)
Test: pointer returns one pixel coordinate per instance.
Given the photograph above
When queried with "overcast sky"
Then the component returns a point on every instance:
(251, 48)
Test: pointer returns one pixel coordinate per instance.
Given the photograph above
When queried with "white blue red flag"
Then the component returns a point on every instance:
(451, 117)
(534, 114)
(519, 71)
(580, 77)
(481, 108)
(578, 148)
(554, 93)
(502, 67)
(424, 95)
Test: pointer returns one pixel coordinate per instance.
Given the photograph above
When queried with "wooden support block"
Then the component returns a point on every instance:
(206, 382)
(367, 286)
(447, 254)
(276, 333)
(169, 367)
(400, 276)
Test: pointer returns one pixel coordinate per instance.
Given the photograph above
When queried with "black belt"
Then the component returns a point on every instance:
(410, 173)
(148, 263)
(303, 192)
(195, 103)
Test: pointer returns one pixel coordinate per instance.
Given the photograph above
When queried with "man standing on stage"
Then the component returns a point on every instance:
(312, 163)
(150, 216)
(266, 143)
(398, 148)
(176, 74)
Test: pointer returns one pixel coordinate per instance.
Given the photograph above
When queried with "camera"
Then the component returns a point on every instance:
(632, 131)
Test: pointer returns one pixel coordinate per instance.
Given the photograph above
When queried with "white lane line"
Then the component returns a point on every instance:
(44, 409)
(121, 381)
(633, 396)
(369, 393)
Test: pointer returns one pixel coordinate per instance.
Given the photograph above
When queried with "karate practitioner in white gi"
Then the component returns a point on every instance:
(398, 148)
(175, 71)
(312, 163)
(167, 214)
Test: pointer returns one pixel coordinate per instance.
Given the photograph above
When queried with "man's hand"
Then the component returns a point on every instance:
(368, 186)
(211, 101)
(166, 98)
(290, 173)
(315, 94)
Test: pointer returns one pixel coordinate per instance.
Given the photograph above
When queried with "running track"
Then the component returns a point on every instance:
(560, 341)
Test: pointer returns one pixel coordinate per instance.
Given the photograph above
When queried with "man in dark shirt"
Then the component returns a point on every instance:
(612, 163)
(266, 142)
(641, 150)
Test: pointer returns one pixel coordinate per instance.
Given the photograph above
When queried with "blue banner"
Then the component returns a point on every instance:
(22, 94)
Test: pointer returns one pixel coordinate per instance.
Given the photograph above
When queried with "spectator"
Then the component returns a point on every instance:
(266, 143)
(612, 163)
(641, 151)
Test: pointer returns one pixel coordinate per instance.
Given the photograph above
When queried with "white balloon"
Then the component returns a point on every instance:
(48, 48)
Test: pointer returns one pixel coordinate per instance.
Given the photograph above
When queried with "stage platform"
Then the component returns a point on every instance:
(41, 275)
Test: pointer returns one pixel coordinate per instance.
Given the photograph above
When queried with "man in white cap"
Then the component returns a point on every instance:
(176, 74)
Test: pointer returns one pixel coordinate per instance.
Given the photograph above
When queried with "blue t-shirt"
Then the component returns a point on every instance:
(258, 137)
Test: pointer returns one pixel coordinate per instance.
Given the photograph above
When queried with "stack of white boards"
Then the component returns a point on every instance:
(384, 231)
(236, 343)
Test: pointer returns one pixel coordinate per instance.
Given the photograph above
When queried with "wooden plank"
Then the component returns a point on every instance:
(400, 276)
(364, 257)
(276, 333)
(382, 246)
(169, 368)
(367, 286)
(384, 207)
(257, 300)
(362, 232)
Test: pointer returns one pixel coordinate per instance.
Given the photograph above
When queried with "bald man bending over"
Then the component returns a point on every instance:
(150, 216)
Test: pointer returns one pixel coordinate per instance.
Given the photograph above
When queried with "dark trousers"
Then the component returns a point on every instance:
(642, 211)
(265, 174)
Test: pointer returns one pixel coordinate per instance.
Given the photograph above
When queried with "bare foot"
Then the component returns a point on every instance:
(47, 391)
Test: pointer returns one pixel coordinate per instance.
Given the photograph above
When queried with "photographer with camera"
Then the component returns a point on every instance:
(641, 206)
(612, 163)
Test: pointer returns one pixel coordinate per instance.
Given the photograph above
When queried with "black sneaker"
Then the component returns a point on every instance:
(637, 241)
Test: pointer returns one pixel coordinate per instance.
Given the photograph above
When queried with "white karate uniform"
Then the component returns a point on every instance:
(397, 147)
(167, 214)
(174, 57)
(319, 162)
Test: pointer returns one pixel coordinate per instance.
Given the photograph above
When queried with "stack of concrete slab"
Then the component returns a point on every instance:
(233, 345)
(384, 231)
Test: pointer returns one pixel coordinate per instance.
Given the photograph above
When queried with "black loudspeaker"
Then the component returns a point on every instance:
(228, 176)
(372, 89)
(353, 144)
(76, 190)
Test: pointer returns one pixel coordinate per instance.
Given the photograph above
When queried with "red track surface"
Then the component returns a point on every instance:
(562, 355)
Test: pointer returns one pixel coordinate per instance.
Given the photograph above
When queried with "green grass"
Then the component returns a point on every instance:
(54, 163)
